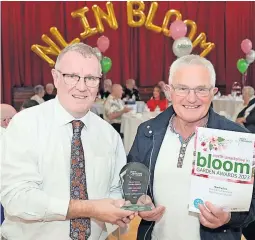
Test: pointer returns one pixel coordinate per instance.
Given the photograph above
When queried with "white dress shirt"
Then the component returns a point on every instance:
(171, 189)
(36, 171)
(2, 131)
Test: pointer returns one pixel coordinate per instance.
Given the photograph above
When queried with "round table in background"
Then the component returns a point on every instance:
(129, 125)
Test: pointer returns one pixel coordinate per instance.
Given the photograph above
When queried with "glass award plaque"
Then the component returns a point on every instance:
(134, 178)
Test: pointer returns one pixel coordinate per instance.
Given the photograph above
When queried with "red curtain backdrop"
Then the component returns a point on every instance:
(135, 52)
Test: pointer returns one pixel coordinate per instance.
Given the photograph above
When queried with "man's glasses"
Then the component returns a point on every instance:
(73, 79)
(183, 91)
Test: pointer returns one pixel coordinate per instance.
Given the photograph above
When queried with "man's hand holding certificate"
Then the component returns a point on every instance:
(223, 172)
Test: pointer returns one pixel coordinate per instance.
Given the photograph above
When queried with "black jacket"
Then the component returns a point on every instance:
(250, 119)
(104, 94)
(146, 146)
(127, 93)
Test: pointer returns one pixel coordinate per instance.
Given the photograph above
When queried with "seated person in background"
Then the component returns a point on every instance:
(247, 115)
(114, 107)
(28, 103)
(106, 90)
(49, 92)
(131, 91)
(162, 86)
(7, 113)
(39, 93)
(157, 100)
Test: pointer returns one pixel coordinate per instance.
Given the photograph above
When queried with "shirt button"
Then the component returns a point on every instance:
(181, 155)
(148, 126)
(150, 131)
(184, 145)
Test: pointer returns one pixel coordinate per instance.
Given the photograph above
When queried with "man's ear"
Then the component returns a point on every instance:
(215, 90)
(55, 76)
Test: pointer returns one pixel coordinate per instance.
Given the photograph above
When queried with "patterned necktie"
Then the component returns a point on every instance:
(79, 228)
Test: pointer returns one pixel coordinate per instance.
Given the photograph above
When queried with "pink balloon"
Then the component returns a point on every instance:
(246, 46)
(103, 43)
(178, 29)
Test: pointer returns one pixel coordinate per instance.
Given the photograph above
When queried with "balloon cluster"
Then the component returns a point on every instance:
(243, 64)
(103, 44)
(182, 45)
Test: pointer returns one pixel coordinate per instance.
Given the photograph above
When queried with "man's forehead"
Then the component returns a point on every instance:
(189, 75)
(74, 62)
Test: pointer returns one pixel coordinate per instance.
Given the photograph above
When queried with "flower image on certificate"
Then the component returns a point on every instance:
(223, 169)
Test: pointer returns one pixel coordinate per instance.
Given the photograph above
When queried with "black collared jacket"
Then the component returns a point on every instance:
(145, 149)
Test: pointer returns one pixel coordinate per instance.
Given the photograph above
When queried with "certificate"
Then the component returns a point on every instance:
(223, 169)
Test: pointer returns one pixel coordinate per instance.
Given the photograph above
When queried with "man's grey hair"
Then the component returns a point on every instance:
(38, 89)
(250, 90)
(192, 60)
(108, 81)
(85, 50)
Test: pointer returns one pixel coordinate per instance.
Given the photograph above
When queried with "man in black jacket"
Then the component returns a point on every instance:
(247, 115)
(131, 91)
(165, 145)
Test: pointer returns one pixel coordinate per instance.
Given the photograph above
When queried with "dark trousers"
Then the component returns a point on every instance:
(249, 232)
(116, 126)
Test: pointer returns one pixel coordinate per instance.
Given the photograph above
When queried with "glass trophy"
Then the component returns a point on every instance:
(134, 178)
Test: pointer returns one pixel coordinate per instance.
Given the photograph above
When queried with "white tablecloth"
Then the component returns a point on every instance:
(230, 106)
(129, 125)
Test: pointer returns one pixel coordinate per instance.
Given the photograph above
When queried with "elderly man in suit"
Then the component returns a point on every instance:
(247, 115)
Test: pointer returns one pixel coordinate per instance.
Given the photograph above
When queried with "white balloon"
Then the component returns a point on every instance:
(250, 57)
(182, 46)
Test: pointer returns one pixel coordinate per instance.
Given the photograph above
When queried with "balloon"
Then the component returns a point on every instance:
(57, 35)
(182, 47)
(53, 49)
(138, 12)
(103, 43)
(207, 46)
(98, 53)
(242, 65)
(246, 46)
(110, 17)
(106, 64)
(250, 57)
(167, 18)
(148, 24)
(88, 31)
(178, 29)
(193, 28)
(207, 50)
(41, 52)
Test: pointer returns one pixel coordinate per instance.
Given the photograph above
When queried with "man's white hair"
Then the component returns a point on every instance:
(192, 60)
(38, 89)
(250, 90)
(108, 81)
(81, 48)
